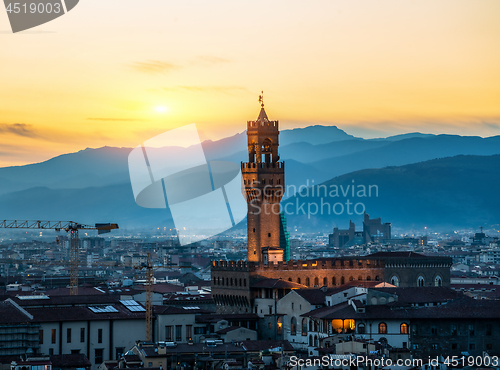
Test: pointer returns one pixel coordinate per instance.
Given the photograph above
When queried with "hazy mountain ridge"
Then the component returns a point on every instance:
(93, 185)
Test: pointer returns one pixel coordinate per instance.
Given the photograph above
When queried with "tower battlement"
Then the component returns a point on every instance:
(324, 264)
(264, 124)
(262, 165)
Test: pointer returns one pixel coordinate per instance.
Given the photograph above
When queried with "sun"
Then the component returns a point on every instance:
(161, 109)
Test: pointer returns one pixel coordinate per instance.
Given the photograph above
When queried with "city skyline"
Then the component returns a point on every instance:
(372, 69)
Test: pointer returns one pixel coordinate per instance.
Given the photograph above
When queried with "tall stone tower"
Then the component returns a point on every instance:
(264, 182)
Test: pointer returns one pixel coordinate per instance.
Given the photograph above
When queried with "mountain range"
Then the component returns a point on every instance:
(422, 179)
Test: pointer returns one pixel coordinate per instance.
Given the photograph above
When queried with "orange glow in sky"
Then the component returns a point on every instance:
(118, 72)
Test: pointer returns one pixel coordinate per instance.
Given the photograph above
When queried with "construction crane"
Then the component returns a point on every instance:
(149, 297)
(69, 226)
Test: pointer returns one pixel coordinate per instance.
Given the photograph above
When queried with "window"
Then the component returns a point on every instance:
(298, 280)
(98, 355)
(438, 281)
(53, 336)
(403, 329)
(68, 335)
(178, 333)
(472, 346)
(40, 336)
(280, 326)
(75, 351)
(82, 335)
(307, 281)
(99, 336)
(454, 346)
(51, 351)
(325, 281)
(489, 346)
(488, 329)
(304, 326)
(270, 310)
(198, 330)
(334, 281)
(434, 330)
(394, 280)
(454, 330)
(471, 330)
(420, 281)
(293, 326)
(119, 352)
(189, 331)
(361, 329)
(434, 346)
(316, 281)
(382, 328)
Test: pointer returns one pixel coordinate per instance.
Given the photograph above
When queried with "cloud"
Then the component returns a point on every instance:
(206, 89)
(115, 119)
(19, 129)
(154, 67)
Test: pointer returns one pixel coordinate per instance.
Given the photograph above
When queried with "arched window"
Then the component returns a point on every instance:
(293, 326)
(368, 278)
(279, 327)
(240, 282)
(227, 281)
(334, 281)
(316, 281)
(351, 278)
(215, 281)
(438, 281)
(304, 326)
(307, 282)
(420, 281)
(377, 278)
(311, 341)
(289, 279)
(316, 341)
(360, 277)
(298, 280)
(382, 328)
(310, 325)
(361, 328)
(394, 280)
(325, 281)
(244, 282)
(342, 281)
(403, 328)
(231, 281)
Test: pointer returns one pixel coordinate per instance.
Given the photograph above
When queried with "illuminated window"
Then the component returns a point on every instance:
(403, 329)
(382, 328)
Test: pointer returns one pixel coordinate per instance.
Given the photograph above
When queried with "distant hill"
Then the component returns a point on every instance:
(461, 191)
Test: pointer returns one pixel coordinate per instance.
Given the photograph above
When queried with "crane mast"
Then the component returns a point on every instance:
(69, 226)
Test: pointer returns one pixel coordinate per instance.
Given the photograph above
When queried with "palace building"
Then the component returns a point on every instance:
(238, 286)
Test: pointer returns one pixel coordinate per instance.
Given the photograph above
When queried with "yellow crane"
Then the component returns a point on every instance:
(149, 297)
(69, 226)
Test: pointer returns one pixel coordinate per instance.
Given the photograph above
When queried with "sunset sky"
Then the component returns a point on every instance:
(117, 72)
